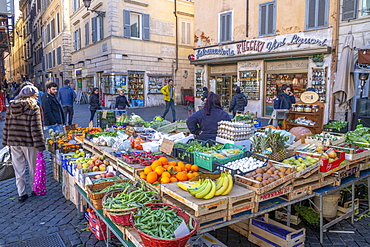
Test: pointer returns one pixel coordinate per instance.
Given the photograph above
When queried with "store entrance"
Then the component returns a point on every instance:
(224, 88)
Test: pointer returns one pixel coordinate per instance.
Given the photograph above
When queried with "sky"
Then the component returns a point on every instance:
(16, 10)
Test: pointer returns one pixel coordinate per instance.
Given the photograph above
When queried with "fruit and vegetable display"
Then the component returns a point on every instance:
(207, 188)
(360, 136)
(197, 146)
(93, 164)
(159, 222)
(271, 144)
(337, 124)
(136, 143)
(245, 164)
(143, 158)
(77, 154)
(129, 198)
(115, 186)
(163, 171)
(323, 137)
(300, 163)
(235, 131)
(105, 177)
(157, 122)
(136, 118)
(266, 175)
(248, 117)
(350, 148)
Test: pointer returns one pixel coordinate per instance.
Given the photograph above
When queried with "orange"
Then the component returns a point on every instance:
(171, 169)
(163, 160)
(172, 163)
(155, 164)
(159, 170)
(173, 179)
(148, 169)
(190, 175)
(181, 165)
(143, 175)
(194, 168)
(188, 167)
(152, 177)
(166, 175)
(165, 180)
(166, 167)
(195, 174)
(177, 168)
(182, 176)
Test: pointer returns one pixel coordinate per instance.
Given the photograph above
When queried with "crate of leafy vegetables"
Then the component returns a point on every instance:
(185, 152)
(336, 126)
(309, 217)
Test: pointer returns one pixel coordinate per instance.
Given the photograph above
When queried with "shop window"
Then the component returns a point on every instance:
(59, 55)
(225, 27)
(77, 39)
(87, 35)
(349, 10)
(97, 29)
(185, 33)
(365, 8)
(136, 25)
(317, 14)
(52, 25)
(267, 18)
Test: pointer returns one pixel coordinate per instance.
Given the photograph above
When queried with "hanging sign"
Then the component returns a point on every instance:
(309, 97)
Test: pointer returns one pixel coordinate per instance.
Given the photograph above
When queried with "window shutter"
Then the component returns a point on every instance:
(75, 39)
(228, 27)
(43, 62)
(58, 23)
(271, 18)
(146, 27)
(263, 15)
(53, 29)
(79, 38)
(349, 10)
(101, 30)
(322, 16)
(183, 24)
(311, 10)
(222, 27)
(87, 34)
(93, 30)
(59, 55)
(126, 24)
(188, 33)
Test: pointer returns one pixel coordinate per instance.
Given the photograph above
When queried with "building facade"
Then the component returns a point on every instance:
(135, 46)
(262, 45)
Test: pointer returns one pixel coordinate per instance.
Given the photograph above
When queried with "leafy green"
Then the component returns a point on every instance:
(337, 124)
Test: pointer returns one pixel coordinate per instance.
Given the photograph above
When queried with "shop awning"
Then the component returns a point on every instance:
(275, 55)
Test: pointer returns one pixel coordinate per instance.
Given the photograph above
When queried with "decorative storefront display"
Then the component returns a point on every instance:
(136, 88)
(113, 83)
(199, 83)
(319, 82)
(156, 82)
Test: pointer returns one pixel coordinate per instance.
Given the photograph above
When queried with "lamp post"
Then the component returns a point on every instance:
(87, 4)
(363, 77)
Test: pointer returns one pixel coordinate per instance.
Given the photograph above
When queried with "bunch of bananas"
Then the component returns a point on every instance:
(207, 188)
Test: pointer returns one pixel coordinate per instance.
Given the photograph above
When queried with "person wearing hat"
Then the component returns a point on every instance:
(238, 102)
(24, 135)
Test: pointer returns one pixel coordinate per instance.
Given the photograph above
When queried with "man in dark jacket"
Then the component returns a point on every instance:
(238, 102)
(285, 99)
(67, 95)
(53, 112)
(121, 103)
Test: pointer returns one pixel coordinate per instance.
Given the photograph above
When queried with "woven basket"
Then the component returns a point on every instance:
(92, 187)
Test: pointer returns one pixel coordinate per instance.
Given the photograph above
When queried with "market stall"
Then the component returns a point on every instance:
(119, 171)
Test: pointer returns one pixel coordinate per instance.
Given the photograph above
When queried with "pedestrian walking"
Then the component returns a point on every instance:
(238, 102)
(121, 103)
(23, 134)
(53, 111)
(94, 103)
(285, 99)
(67, 96)
(10, 92)
(168, 92)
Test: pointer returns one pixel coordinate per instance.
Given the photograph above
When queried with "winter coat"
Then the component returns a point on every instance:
(53, 111)
(166, 92)
(238, 102)
(66, 95)
(94, 102)
(205, 95)
(23, 125)
(121, 102)
(199, 122)
(284, 101)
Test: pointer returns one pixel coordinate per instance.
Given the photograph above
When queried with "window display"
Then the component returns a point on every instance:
(112, 84)
(199, 84)
(155, 83)
(136, 88)
(319, 82)
(250, 84)
(225, 85)
(89, 84)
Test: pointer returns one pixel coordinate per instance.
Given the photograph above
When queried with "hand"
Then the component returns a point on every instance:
(200, 133)
(55, 124)
(116, 108)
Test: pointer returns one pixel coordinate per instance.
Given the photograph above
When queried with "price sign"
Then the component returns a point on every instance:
(166, 146)
(104, 115)
(91, 125)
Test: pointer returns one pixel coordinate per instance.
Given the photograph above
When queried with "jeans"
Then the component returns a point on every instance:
(170, 104)
(92, 114)
(121, 111)
(68, 110)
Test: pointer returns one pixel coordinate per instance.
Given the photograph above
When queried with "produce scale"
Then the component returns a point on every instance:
(154, 184)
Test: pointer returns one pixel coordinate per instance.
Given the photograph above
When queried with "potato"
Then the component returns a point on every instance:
(282, 169)
(257, 185)
(259, 178)
(265, 176)
(276, 172)
(253, 173)
(259, 170)
(269, 171)
(273, 169)
(281, 174)
(276, 177)
(249, 182)
(271, 179)
(269, 166)
(265, 182)
(264, 169)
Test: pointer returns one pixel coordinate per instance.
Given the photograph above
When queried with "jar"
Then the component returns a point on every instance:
(300, 108)
(315, 108)
(308, 108)
(294, 107)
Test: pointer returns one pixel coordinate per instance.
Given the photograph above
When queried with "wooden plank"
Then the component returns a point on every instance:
(312, 179)
(272, 194)
(282, 216)
(240, 200)
(132, 235)
(298, 192)
(200, 206)
(241, 227)
(324, 182)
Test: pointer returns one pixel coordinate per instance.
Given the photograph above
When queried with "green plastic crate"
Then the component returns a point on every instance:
(206, 162)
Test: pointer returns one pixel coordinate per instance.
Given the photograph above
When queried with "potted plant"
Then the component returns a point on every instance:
(318, 59)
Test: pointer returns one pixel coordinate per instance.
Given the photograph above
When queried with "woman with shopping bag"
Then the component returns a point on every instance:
(23, 133)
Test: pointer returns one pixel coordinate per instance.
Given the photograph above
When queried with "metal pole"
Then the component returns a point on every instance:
(353, 204)
(321, 219)
(368, 197)
(289, 211)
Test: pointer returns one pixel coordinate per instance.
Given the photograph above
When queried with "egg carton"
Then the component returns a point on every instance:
(249, 162)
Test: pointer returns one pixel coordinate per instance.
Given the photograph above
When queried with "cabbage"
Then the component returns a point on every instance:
(136, 118)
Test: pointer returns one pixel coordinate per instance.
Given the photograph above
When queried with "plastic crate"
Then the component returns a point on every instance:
(342, 130)
(188, 157)
(206, 161)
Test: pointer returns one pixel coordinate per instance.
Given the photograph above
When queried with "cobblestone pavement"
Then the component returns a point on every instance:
(40, 216)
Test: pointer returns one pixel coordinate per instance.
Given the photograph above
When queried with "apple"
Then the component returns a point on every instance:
(85, 165)
(97, 176)
(102, 167)
(94, 158)
(106, 162)
(84, 170)
(110, 174)
(103, 175)
(101, 157)
(95, 169)
(90, 162)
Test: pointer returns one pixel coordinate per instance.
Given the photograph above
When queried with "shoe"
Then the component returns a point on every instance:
(23, 198)
(33, 193)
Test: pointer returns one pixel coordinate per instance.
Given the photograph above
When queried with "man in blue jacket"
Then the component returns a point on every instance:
(67, 95)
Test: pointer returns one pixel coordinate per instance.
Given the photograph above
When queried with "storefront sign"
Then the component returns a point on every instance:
(223, 69)
(287, 42)
(287, 65)
(250, 65)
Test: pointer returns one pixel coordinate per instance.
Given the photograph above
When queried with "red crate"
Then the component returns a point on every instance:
(189, 98)
(326, 166)
(98, 227)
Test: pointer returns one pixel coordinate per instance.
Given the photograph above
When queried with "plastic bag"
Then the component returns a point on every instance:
(39, 184)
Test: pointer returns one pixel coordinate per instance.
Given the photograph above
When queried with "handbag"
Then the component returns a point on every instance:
(6, 170)
(39, 184)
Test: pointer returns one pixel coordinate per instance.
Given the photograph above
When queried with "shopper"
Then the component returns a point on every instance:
(67, 96)
(204, 123)
(53, 111)
(94, 103)
(238, 102)
(23, 134)
(205, 94)
(168, 92)
(121, 103)
(285, 99)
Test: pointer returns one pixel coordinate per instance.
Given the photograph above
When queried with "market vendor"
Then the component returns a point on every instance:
(204, 123)
(285, 99)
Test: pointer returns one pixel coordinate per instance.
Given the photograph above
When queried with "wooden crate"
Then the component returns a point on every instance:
(203, 221)
(242, 227)
(55, 168)
(282, 216)
(297, 192)
(282, 190)
(132, 235)
(325, 181)
(346, 207)
(255, 233)
(67, 128)
(199, 206)
(240, 200)
(65, 184)
(73, 193)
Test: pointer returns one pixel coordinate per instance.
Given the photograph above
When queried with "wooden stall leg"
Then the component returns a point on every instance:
(368, 197)
(289, 212)
(353, 204)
